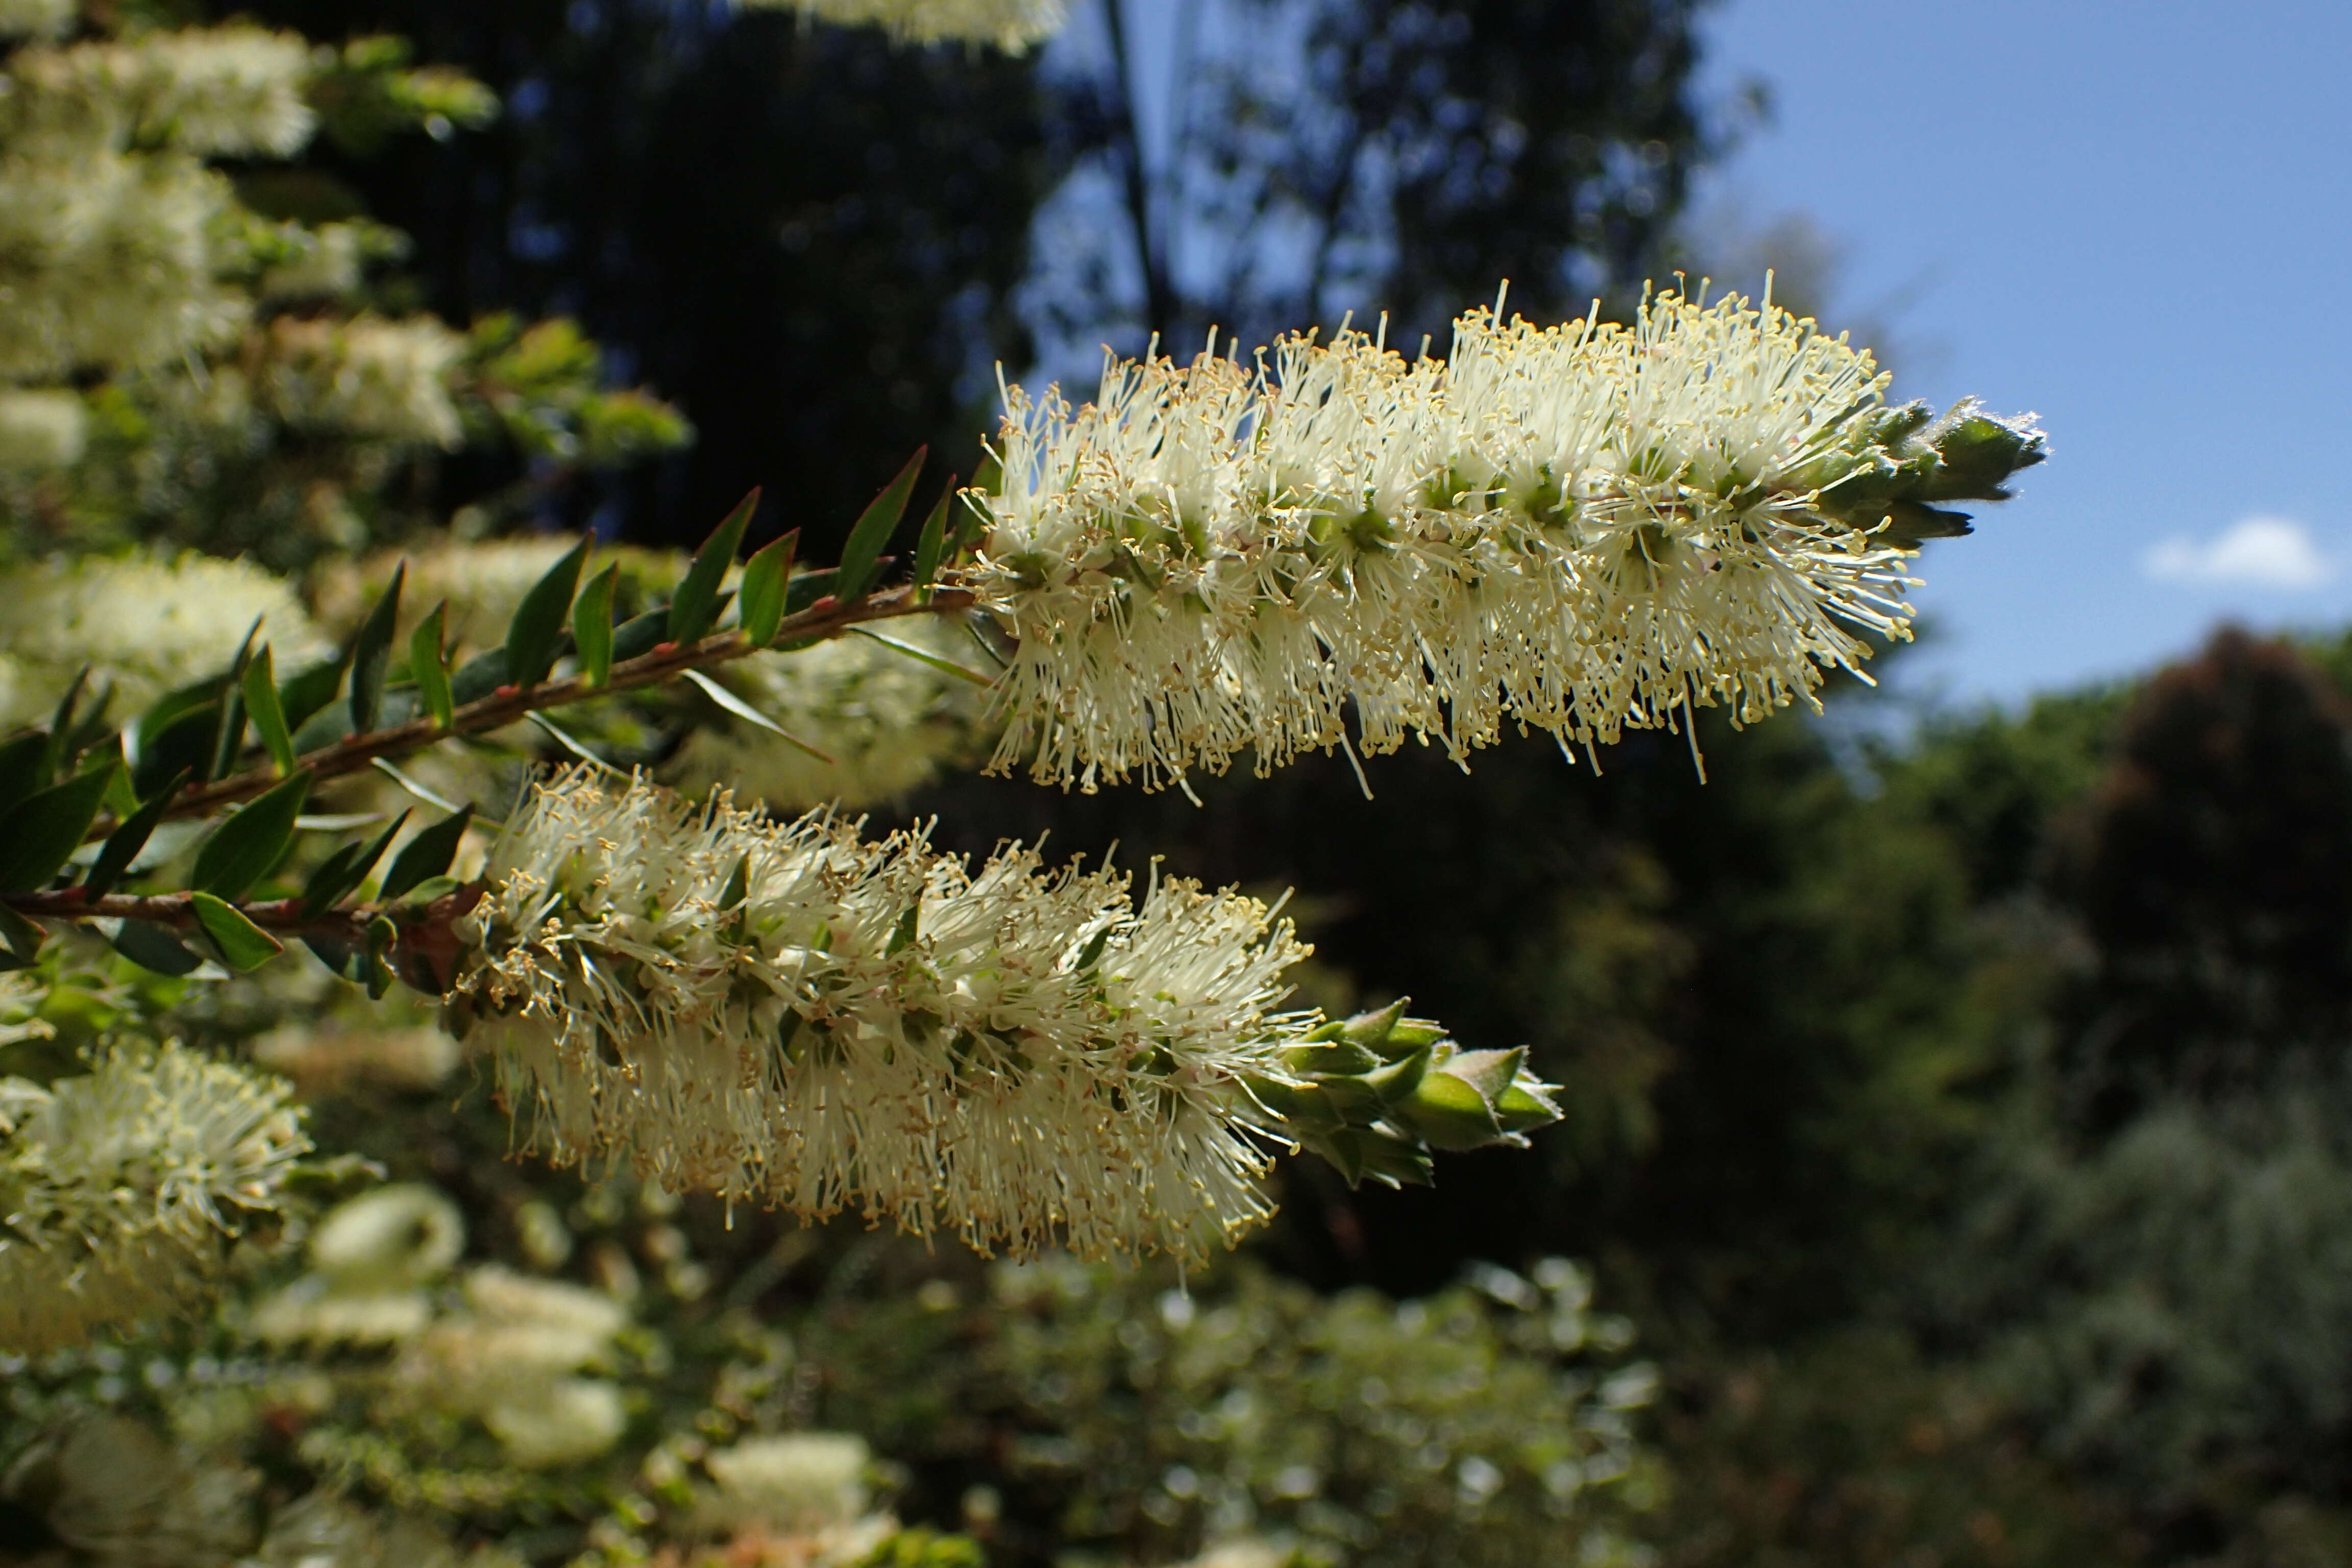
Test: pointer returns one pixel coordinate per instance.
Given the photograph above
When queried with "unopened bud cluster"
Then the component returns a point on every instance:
(1578, 529)
(786, 1013)
(1374, 1094)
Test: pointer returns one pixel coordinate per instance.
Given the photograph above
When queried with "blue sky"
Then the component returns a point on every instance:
(2134, 218)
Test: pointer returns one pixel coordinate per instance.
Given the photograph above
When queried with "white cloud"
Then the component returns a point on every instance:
(2264, 552)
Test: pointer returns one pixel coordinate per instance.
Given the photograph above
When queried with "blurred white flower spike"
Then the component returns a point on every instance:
(1013, 26)
(118, 1187)
(1579, 529)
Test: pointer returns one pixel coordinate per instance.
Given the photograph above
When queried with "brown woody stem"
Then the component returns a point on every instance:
(426, 933)
(824, 618)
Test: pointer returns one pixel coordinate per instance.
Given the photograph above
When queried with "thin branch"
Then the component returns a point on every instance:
(825, 618)
(425, 944)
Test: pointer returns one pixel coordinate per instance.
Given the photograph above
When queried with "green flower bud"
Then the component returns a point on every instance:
(1450, 1113)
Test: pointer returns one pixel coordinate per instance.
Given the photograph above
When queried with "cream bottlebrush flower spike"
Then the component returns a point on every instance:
(1011, 24)
(114, 234)
(783, 1011)
(1582, 529)
(119, 1188)
(192, 611)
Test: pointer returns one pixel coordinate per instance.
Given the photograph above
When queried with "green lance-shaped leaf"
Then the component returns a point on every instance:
(20, 940)
(243, 945)
(931, 545)
(185, 741)
(861, 554)
(479, 677)
(372, 654)
(745, 710)
(428, 665)
(807, 588)
(228, 739)
(53, 752)
(20, 766)
(426, 856)
(123, 846)
(152, 946)
(759, 602)
(260, 687)
(342, 872)
(640, 635)
(536, 632)
(248, 845)
(592, 625)
(694, 608)
(923, 655)
(307, 693)
(40, 833)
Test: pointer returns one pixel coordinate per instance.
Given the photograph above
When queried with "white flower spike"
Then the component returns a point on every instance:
(783, 1012)
(1579, 529)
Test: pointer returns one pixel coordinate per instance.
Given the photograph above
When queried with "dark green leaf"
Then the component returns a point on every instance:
(413, 785)
(694, 608)
(760, 600)
(592, 625)
(426, 855)
(183, 745)
(637, 637)
(123, 846)
(228, 740)
(20, 766)
(20, 940)
(807, 588)
(91, 730)
(344, 871)
(428, 665)
(862, 551)
(923, 655)
(152, 946)
(742, 709)
(260, 685)
(53, 756)
(381, 934)
(574, 743)
(339, 956)
(479, 677)
(41, 832)
(248, 845)
(244, 946)
(1909, 524)
(372, 655)
(301, 696)
(228, 736)
(536, 634)
(933, 543)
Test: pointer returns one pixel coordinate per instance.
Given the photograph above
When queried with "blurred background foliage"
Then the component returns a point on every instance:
(1958, 1105)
